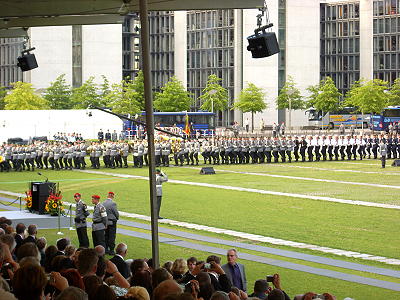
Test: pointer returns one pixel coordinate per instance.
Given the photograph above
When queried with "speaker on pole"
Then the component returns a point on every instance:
(207, 171)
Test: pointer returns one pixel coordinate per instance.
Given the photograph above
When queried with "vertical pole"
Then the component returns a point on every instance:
(144, 34)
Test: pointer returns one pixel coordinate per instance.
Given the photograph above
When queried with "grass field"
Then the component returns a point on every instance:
(368, 230)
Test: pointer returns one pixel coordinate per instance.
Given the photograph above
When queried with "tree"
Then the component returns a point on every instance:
(58, 94)
(289, 98)
(174, 97)
(328, 97)
(312, 97)
(104, 89)
(138, 86)
(395, 93)
(3, 93)
(23, 97)
(123, 98)
(368, 96)
(87, 95)
(251, 99)
(214, 97)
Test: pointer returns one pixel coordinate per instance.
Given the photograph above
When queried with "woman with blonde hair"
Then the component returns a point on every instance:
(179, 269)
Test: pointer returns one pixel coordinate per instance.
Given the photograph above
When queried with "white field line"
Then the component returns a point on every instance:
(307, 178)
(258, 191)
(253, 237)
(334, 170)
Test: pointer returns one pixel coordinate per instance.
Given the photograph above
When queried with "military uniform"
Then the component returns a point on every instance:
(99, 225)
(80, 223)
(383, 153)
(161, 177)
(111, 230)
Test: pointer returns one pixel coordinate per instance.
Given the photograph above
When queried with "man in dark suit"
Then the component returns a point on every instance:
(119, 260)
(235, 271)
(20, 236)
(32, 231)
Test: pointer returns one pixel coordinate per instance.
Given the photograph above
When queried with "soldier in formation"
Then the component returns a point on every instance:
(216, 150)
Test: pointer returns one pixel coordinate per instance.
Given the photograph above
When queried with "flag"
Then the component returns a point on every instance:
(187, 126)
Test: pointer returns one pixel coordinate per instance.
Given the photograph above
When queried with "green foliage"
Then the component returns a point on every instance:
(138, 86)
(87, 95)
(23, 97)
(328, 96)
(3, 93)
(214, 97)
(174, 97)
(124, 99)
(394, 93)
(105, 88)
(251, 99)
(58, 94)
(368, 96)
(289, 94)
(312, 98)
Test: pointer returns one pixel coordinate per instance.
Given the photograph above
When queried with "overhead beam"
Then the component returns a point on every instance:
(13, 33)
(46, 8)
(25, 22)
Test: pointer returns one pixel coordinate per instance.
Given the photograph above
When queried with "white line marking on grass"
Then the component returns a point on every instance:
(305, 178)
(334, 170)
(258, 191)
(249, 236)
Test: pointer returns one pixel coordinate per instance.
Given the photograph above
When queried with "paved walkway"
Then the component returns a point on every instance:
(260, 259)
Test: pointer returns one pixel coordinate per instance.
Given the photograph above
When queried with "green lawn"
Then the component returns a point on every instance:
(349, 227)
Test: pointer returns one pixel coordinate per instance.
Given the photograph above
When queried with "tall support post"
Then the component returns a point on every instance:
(144, 35)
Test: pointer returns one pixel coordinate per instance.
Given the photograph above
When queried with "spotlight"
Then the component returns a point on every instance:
(27, 61)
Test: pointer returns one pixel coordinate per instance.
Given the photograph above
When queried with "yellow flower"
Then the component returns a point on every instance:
(54, 205)
(29, 205)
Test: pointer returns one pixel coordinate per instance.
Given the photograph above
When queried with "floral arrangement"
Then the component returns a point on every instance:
(54, 204)
(28, 200)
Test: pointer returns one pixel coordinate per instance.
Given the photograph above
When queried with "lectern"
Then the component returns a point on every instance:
(40, 193)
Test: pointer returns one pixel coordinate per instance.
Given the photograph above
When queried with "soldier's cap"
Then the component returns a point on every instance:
(158, 171)
(77, 195)
(111, 193)
(96, 197)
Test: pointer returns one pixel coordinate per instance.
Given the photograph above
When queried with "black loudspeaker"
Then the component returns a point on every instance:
(396, 163)
(40, 193)
(207, 171)
(263, 45)
(27, 62)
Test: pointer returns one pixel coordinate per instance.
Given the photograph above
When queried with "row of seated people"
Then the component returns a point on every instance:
(31, 269)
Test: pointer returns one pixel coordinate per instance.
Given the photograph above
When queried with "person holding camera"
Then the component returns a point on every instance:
(81, 213)
(161, 177)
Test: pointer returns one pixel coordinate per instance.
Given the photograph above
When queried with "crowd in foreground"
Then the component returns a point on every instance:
(31, 269)
(59, 155)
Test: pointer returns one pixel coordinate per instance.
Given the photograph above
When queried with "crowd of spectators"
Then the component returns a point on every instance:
(31, 269)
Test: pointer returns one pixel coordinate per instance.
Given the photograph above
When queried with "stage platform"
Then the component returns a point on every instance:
(27, 218)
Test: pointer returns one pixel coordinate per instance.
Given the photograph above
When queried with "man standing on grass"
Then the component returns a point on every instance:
(81, 214)
(160, 178)
(99, 222)
(235, 271)
(112, 218)
(383, 152)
